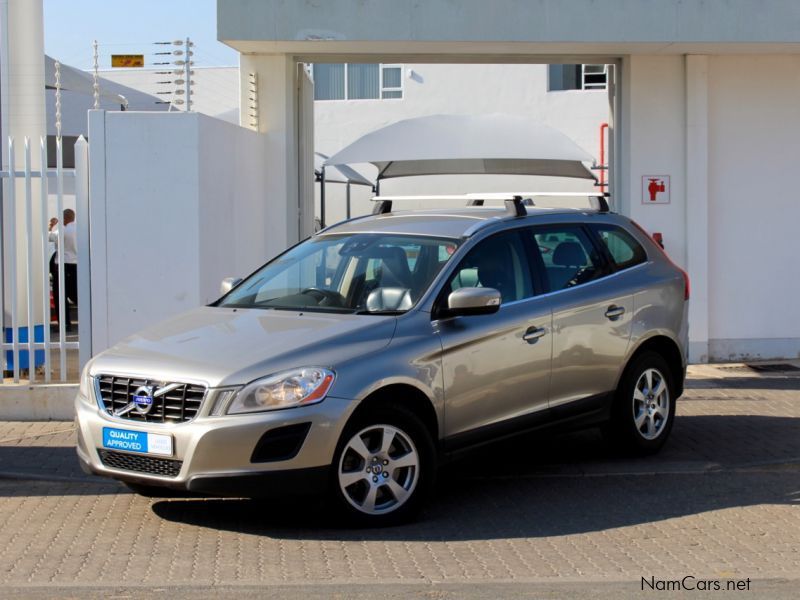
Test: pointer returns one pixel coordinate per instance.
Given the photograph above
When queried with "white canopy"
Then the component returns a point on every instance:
(338, 173)
(463, 144)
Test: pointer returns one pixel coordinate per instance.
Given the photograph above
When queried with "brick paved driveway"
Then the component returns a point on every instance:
(529, 517)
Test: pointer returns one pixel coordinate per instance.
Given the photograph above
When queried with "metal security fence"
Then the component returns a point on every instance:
(31, 345)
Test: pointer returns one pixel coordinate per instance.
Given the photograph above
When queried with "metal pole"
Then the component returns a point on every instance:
(96, 85)
(43, 233)
(62, 307)
(58, 100)
(12, 235)
(348, 200)
(322, 197)
(4, 50)
(186, 72)
(29, 272)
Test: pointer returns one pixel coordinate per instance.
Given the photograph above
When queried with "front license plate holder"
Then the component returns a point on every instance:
(140, 442)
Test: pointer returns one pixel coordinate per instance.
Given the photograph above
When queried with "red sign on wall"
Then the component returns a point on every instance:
(655, 189)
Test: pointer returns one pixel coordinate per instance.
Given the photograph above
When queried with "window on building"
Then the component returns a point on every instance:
(576, 77)
(356, 81)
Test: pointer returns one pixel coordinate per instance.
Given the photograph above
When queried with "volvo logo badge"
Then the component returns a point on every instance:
(143, 399)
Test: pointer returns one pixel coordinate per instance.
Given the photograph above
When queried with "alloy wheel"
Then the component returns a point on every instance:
(379, 469)
(650, 404)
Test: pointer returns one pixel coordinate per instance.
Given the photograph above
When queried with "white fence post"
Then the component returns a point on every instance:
(29, 284)
(97, 241)
(84, 256)
(12, 272)
(43, 233)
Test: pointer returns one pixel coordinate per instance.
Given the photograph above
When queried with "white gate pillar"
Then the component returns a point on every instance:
(269, 104)
(697, 231)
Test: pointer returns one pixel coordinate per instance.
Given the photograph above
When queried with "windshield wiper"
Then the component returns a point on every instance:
(379, 312)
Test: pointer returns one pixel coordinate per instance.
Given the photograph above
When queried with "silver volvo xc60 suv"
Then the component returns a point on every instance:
(356, 361)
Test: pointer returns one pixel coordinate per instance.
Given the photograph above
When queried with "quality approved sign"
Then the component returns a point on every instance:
(137, 441)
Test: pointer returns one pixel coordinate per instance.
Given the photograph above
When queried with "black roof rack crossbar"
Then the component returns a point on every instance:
(382, 207)
(515, 207)
(602, 203)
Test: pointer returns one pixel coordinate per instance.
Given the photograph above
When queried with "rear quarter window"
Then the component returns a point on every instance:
(623, 249)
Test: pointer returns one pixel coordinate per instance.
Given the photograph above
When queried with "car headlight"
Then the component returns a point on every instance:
(297, 387)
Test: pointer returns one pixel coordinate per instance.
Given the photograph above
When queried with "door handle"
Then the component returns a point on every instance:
(533, 334)
(615, 312)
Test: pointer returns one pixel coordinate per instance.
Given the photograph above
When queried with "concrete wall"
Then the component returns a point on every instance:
(725, 129)
(418, 26)
(655, 129)
(177, 204)
(460, 89)
(754, 212)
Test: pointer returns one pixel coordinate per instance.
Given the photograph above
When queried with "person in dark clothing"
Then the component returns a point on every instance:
(70, 264)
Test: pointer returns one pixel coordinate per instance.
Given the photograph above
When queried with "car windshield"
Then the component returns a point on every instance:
(370, 273)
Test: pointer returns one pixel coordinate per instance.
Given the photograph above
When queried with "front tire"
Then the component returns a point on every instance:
(384, 467)
(644, 406)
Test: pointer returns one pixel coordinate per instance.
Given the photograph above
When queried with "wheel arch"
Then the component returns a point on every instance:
(666, 347)
(406, 396)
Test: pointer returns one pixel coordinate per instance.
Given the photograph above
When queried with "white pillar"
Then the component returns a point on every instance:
(22, 105)
(697, 203)
(277, 103)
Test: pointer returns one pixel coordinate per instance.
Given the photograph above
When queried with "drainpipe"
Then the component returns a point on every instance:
(322, 197)
(603, 165)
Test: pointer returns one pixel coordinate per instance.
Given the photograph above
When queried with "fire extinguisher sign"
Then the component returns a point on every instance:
(655, 189)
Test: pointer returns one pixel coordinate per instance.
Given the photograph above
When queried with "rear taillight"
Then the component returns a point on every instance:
(686, 284)
(659, 244)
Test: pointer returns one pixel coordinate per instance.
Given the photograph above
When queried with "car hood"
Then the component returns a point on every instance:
(232, 346)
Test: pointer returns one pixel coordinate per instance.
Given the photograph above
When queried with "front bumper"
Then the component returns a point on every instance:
(214, 455)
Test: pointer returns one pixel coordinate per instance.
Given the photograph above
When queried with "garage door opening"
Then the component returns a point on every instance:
(351, 99)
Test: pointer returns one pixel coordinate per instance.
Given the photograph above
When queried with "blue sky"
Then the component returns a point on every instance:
(131, 27)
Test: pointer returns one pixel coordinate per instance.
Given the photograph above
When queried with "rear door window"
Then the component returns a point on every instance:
(625, 252)
(568, 256)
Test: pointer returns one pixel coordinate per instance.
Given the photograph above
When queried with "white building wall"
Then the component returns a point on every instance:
(754, 212)
(177, 204)
(743, 262)
(654, 144)
(516, 89)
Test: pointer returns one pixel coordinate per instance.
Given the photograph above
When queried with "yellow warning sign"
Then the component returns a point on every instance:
(127, 60)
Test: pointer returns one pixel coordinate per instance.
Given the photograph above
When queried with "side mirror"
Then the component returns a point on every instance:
(473, 301)
(228, 284)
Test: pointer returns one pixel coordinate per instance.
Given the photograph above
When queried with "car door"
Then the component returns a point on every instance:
(496, 367)
(591, 315)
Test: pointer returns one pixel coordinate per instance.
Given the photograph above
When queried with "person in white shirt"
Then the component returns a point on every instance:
(70, 263)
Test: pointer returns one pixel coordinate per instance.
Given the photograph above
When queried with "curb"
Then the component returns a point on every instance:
(48, 402)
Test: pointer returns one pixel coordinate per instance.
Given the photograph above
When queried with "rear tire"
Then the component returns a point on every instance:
(383, 468)
(644, 406)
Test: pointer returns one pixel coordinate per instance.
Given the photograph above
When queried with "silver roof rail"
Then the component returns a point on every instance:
(598, 200)
(515, 205)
